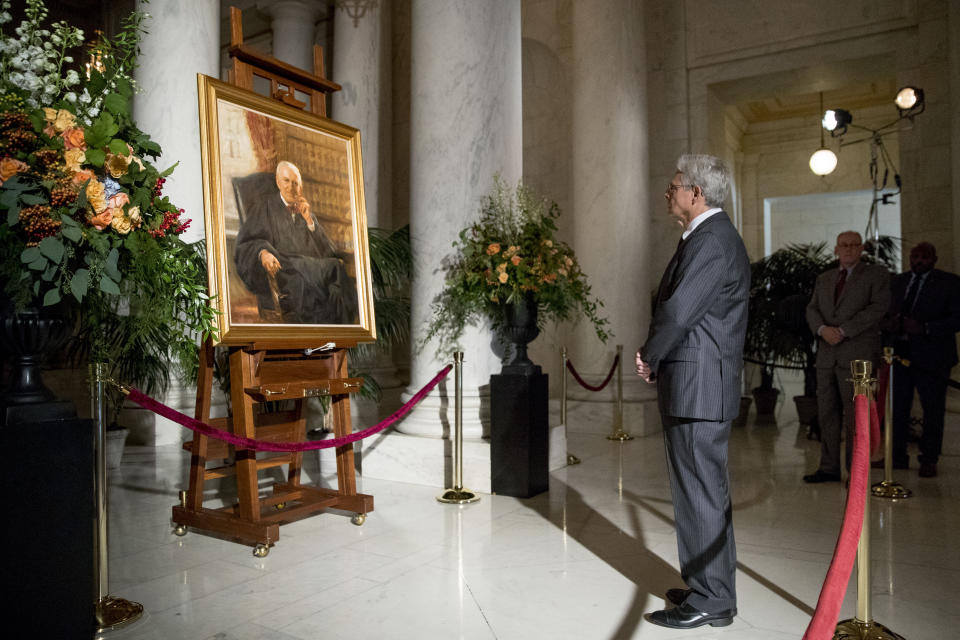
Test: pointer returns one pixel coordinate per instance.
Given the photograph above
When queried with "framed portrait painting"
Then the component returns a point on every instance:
(285, 222)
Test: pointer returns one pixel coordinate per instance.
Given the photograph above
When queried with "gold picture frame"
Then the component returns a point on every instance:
(319, 289)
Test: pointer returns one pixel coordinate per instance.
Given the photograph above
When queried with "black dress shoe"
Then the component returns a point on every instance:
(821, 476)
(927, 470)
(677, 596)
(687, 617)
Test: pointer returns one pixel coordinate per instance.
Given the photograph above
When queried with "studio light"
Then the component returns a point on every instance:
(823, 161)
(909, 101)
(836, 120)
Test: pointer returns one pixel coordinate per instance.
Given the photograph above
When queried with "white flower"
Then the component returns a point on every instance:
(47, 46)
(72, 78)
(5, 17)
(85, 97)
(68, 59)
(70, 96)
(55, 39)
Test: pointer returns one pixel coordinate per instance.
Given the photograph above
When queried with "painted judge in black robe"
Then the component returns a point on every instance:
(280, 237)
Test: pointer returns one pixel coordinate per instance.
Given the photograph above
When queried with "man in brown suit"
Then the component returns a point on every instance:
(845, 311)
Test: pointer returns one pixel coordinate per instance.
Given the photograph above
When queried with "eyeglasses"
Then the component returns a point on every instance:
(674, 187)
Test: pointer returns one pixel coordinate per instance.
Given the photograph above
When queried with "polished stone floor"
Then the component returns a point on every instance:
(584, 561)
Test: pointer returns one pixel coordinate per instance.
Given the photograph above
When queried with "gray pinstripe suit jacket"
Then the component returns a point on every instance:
(695, 342)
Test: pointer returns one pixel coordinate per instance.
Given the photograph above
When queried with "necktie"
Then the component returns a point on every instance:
(842, 280)
(911, 298)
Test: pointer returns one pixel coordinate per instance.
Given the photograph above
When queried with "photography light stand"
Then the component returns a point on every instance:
(910, 103)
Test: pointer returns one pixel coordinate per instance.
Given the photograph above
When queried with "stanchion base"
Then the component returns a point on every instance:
(854, 629)
(113, 613)
(572, 459)
(620, 435)
(891, 490)
(457, 496)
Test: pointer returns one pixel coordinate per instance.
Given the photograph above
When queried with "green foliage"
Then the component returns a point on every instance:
(509, 252)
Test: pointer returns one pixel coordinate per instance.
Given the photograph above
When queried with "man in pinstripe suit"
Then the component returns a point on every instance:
(694, 354)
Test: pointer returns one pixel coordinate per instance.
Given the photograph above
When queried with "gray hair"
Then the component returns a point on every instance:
(286, 164)
(709, 173)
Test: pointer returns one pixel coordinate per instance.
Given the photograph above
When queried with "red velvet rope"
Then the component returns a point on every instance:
(824, 621)
(241, 442)
(583, 383)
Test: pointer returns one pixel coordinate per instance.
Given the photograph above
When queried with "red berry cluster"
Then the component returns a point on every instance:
(171, 219)
(62, 196)
(158, 188)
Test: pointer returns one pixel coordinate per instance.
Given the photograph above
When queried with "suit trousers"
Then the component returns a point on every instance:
(834, 411)
(931, 386)
(700, 487)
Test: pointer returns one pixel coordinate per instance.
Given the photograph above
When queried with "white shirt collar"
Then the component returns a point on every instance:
(700, 219)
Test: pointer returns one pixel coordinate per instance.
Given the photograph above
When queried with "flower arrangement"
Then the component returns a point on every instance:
(84, 223)
(508, 254)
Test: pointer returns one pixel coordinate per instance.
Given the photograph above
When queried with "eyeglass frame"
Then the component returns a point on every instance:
(676, 187)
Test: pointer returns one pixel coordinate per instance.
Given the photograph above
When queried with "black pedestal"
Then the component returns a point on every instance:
(519, 434)
(49, 565)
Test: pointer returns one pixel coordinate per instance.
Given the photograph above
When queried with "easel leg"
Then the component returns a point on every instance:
(242, 375)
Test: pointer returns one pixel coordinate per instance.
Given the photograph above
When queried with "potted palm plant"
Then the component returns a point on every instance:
(777, 334)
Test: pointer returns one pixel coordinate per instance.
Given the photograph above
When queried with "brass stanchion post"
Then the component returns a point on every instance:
(457, 494)
(571, 459)
(111, 612)
(888, 488)
(863, 627)
(618, 432)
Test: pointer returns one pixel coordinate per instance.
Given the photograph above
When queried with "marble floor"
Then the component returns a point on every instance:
(584, 561)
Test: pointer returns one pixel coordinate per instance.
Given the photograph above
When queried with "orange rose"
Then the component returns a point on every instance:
(503, 276)
(101, 221)
(117, 200)
(493, 248)
(515, 260)
(73, 138)
(81, 176)
(10, 167)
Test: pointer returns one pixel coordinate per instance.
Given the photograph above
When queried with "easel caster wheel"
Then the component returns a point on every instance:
(280, 506)
(261, 551)
(180, 530)
(358, 519)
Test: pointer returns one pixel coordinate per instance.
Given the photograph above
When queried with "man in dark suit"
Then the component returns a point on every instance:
(694, 353)
(282, 240)
(921, 324)
(845, 313)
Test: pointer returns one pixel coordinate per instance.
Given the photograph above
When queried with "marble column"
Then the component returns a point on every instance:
(181, 41)
(361, 66)
(465, 127)
(610, 188)
(292, 23)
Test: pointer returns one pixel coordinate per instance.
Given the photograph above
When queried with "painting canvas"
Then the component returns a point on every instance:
(285, 221)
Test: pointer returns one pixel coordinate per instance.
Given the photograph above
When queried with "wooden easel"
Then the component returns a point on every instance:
(267, 372)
